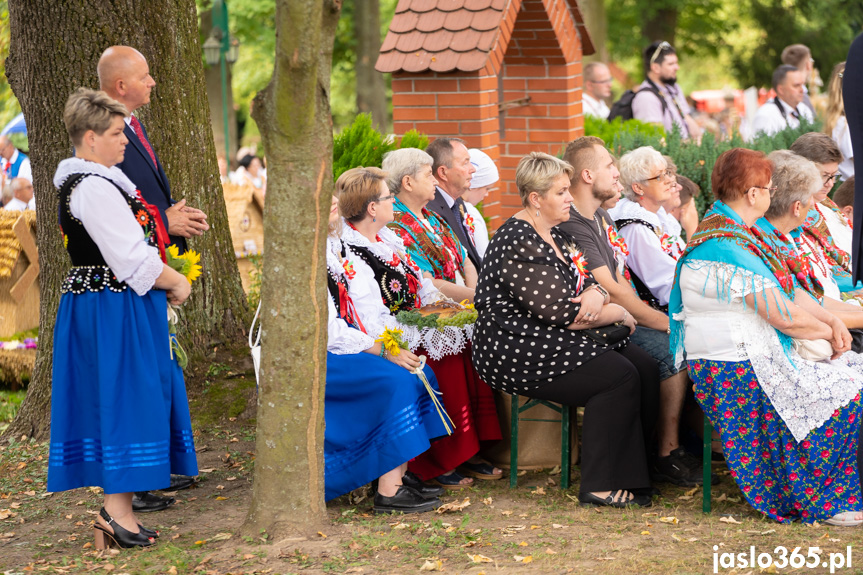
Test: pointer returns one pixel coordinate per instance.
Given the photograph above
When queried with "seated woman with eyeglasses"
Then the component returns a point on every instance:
(647, 184)
(387, 282)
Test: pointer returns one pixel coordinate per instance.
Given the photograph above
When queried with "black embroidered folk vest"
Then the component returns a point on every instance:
(640, 287)
(398, 283)
(89, 270)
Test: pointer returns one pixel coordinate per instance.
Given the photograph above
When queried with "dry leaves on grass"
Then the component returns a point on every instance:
(432, 565)
(453, 506)
(479, 558)
(523, 559)
(683, 539)
(673, 520)
(729, 519)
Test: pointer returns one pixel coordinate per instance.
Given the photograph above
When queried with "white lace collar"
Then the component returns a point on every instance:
(627, 209)
(390, 242)
(71, 166)
(334, 256)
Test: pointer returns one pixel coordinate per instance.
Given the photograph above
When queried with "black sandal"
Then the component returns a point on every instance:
(121, 537)
(613, 501)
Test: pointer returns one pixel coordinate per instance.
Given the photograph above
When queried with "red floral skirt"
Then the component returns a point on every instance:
(470, 404)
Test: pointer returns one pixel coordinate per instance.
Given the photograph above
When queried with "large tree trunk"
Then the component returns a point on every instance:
(294, 115)
(371, 96)
(54, 49)
(660, 24)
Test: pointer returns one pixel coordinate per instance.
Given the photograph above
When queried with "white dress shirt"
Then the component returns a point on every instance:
(769, 120)
(593, 107)
(16, 205)
(842, 137)
(646, 258)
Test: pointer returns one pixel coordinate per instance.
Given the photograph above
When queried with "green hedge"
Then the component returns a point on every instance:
(695, 161)
(361, 145)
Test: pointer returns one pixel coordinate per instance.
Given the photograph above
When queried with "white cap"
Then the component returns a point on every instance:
(486, 172)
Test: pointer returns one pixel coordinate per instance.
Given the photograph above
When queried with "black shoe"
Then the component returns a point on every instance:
(426, 490)
(406, 500)
(610, 501)
(695, 464)
(648, 491)
(179, 482)
(145, 502)
(676, 468)
(120, 537)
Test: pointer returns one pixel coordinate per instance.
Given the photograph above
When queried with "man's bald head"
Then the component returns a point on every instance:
(125, 76)
(6, 147)
(22, 189)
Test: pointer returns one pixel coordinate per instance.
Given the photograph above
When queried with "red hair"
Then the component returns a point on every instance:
(737, 170)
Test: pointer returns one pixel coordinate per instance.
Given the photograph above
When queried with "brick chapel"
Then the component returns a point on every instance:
(504, 75)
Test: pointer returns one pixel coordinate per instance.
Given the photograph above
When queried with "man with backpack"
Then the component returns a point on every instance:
(658, 100)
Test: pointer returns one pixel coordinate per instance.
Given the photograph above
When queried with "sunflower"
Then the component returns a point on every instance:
(187, 263)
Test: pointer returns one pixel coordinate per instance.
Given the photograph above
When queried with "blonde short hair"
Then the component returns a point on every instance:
(537, 172)
(90, 110)
(356, 189)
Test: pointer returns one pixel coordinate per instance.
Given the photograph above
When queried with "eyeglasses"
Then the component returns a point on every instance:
(667, 175)
(771, 190)
(385, 198)
(662, 46)
(831, 178)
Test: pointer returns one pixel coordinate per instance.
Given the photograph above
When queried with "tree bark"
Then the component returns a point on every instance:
(371, 91)
(660, 24)
(54, 48)
(294, 115)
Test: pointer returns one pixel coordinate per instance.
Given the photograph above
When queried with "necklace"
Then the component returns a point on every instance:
(598, 225)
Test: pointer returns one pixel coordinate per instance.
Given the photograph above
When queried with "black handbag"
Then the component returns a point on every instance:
(608, 334)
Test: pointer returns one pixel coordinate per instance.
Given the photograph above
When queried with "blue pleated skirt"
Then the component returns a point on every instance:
(378, 416)
(119, 411)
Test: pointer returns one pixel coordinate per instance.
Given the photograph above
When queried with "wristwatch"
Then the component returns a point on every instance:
(601, 290)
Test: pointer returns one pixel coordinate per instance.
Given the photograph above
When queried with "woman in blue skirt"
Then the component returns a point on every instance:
(378, 413)
(119, 413)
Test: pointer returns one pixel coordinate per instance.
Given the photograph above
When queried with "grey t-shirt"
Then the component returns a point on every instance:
(592, 237)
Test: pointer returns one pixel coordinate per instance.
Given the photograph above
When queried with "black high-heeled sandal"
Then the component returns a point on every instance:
(121, 537)
(154, 533)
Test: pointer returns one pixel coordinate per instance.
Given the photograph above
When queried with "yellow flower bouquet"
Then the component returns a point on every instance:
(187, 264)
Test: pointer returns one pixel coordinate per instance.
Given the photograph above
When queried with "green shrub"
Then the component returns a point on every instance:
(361, 145)
(629, 133)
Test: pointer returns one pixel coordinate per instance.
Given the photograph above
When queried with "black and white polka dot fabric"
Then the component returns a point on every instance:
(520, 340)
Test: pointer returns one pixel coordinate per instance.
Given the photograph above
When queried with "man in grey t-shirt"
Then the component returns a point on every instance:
(593, 183)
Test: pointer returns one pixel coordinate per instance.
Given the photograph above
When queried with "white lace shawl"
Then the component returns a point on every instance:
(804, 393)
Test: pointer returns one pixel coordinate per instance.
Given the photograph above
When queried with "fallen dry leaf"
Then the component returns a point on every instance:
(487, 501)
(220, 537)
(539, 491)
(220, 498)
(172, 570)
(207, 470)
(506, 513)
(550, 551)
(322, 534)
(520, 559)
(480, 558)
(232, 478)
(555, 470)
(523, 544)
(729, 519)
(645, 532)
(683, 539)
(672, 520)
(436, 565)
(557, 526)
(453, 506)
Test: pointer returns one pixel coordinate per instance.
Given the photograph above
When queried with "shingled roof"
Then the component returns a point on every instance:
(451, 35)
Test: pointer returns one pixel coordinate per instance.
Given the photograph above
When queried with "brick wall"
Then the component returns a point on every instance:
(542, 61)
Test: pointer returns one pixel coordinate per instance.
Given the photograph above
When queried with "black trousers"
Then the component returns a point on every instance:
(619, 391)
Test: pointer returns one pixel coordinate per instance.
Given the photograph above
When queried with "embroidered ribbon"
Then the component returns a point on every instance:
(161, 232)
(347, 310)
(441, 411)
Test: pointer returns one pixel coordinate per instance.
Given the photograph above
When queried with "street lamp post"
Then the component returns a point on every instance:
(221, 49)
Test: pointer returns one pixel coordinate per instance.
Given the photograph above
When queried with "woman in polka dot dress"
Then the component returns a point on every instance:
(535, 299)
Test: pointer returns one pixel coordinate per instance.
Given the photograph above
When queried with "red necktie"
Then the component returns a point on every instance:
(136, 125)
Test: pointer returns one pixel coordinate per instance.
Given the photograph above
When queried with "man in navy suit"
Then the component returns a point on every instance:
(125, 76)
(852, 90)
(453, 171)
